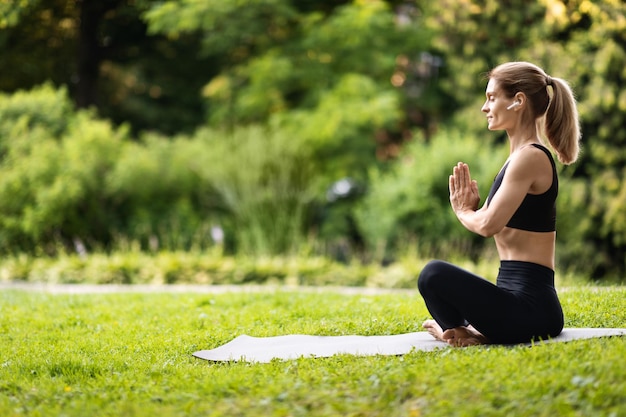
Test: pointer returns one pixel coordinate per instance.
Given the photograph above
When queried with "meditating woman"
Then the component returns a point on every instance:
(520, 214)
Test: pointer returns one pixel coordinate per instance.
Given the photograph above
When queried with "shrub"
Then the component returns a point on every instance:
(264, 180)
(51, 190)
(166, 205)
(44, 106)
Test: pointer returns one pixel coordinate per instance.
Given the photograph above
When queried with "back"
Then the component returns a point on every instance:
(537, 212)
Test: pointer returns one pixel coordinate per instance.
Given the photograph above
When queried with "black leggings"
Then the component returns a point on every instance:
(522, 306)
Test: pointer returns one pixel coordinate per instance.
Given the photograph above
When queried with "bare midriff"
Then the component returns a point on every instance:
(522, 245)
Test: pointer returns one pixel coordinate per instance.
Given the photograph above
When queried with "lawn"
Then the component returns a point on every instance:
(129, 354)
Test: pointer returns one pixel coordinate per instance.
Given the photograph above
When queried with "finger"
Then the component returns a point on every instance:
(466, 175)
(467, 171)
(452, 178)
(461, 170)
(451, 185)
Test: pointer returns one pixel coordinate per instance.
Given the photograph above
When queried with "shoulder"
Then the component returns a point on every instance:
(532, 157)
(532, 167)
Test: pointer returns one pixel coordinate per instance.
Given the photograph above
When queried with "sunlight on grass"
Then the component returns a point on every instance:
(130, 354)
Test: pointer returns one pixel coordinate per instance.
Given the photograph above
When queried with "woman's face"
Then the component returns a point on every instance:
(495, 107)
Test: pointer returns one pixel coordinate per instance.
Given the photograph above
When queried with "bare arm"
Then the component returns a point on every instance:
(522, 174)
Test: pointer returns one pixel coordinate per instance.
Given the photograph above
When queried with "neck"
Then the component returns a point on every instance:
(522, 137)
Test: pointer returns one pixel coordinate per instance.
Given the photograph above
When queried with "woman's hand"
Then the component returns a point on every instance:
(463, 190)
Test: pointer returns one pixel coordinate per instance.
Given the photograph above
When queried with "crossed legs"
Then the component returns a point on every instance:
(460, 304)
(469, 310)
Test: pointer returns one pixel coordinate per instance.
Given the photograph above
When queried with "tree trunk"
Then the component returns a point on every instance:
(90, 49)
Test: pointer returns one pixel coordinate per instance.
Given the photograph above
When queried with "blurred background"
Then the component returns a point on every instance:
(292, 128)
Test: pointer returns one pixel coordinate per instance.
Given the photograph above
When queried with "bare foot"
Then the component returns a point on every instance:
(434, 329)
(464, 336)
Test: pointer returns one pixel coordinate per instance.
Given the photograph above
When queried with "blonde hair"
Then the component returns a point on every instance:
(559, 112)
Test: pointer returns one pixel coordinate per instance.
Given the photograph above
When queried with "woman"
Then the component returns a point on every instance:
(519, 213)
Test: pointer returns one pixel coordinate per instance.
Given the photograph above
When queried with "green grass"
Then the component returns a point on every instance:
(129, 354)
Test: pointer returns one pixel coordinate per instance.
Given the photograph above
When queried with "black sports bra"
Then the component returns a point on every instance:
(537, 213)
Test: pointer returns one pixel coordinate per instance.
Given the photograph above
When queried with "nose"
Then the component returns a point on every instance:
(485, 107)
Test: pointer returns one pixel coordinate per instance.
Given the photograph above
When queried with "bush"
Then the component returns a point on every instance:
(51, 190)
(264, 180)
(210, 268)
(44, 106)
(166, 205)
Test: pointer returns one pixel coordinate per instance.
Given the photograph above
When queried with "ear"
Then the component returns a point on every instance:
(521, 99)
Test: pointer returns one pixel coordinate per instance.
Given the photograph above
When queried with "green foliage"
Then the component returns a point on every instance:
(66, 178)
(230, 28)
(101, 52)
(338, 130)
(86, 181)
(112, 354)
(474, 36)
(38, 42)
(572, 201)
(43, 107)
(51, 189)
(133, 266)
(360, 37)
(11, 11)
(328, 82)
(264, 179)
(268, 79)
(344, 84)
(165, 203)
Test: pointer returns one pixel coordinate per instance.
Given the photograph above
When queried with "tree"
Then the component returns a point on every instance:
(100, 50)
(286, 66)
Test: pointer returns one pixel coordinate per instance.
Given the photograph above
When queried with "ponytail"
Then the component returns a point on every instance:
(561, 122)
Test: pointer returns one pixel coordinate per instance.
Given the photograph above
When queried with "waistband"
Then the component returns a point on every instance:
(517, 271)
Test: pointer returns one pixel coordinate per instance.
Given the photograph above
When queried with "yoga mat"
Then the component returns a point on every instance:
(264, 349)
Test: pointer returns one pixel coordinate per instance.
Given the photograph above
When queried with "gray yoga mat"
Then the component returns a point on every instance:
(264, 349)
